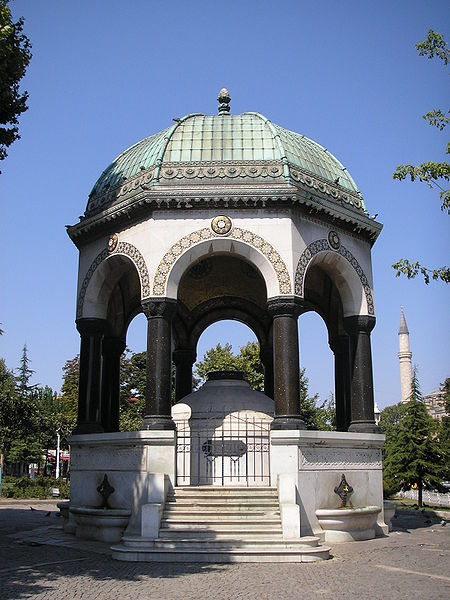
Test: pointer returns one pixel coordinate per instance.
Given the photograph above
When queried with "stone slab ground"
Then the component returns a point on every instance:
(37, 560)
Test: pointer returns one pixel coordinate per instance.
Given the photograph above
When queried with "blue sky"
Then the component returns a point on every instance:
(107, 73)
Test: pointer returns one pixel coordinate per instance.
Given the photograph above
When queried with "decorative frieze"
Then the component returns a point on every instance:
(338, 459)
(125, 458)
(323, 245)
(333, 191)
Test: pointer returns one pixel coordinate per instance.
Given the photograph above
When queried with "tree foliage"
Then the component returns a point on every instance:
(221, 358)
(15, 55)
(412, 457)
(434, 174)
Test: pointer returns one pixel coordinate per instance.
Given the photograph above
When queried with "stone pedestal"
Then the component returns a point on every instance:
(318, 459)
(130, 459)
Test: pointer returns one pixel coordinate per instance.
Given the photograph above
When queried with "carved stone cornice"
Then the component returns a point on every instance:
(223, 193)
(285, 306)
(164, 308)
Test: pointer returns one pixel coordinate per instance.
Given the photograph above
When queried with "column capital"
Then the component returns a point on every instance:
(359, 324)
(285, 306)
(91, 326)
(164, 308)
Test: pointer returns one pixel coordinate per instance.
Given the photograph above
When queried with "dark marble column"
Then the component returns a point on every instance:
(340, 345)
(266, 355)
(362, 403)
(90, 375)
(184, 359)
(159, 361)
(285, 311)
(112, 349)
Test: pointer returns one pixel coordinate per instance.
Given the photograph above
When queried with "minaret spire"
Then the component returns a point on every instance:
(404, 357)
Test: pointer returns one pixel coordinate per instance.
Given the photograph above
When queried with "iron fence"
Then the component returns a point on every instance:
(223, 450)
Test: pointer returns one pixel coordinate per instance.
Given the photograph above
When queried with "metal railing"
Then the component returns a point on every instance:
(427, 497)
(223, 450)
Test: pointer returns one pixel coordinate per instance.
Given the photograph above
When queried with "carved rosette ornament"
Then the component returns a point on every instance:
(112, 242)
(221, 225)
(334, 240)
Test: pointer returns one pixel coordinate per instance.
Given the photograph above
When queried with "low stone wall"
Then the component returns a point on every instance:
(129, 459)
(318, 459)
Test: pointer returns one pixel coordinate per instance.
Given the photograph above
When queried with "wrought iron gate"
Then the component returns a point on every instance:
(225, 450)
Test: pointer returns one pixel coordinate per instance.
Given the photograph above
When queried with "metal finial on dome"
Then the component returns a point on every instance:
(224, 101)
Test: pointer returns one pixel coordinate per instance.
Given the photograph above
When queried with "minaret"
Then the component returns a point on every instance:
(404, 356)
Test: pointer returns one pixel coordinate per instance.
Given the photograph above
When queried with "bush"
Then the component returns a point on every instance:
(23, 487)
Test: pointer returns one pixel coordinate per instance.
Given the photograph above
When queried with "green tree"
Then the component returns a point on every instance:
(15, 56)
(316, 415)
(69, 396)
(25, 374)
(444, 433)
(434, 174)
(220, 358)
(249, 362)
(412, 454)
(132, 387)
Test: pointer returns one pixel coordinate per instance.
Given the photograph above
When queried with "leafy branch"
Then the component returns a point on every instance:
(431, 173)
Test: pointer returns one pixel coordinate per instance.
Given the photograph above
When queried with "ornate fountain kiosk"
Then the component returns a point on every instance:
(225, 217)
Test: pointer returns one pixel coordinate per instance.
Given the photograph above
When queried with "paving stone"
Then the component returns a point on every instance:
(38, 560)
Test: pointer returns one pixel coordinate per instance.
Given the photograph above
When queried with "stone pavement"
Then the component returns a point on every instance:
(38, 560)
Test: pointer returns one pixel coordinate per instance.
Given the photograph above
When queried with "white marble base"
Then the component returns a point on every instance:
(317, 459)
(131, 460)
(101, 524)
(389, 512)
(348, 524)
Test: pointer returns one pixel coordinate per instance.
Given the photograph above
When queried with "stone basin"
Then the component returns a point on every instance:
(102, 524)
(348, 524)
(389, 512)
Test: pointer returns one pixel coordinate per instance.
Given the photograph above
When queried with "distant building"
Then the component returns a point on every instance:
(435, 403)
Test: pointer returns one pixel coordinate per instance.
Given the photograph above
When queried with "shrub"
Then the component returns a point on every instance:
(23, 487)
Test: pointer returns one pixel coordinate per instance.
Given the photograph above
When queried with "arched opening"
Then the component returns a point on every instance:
(326, 293)
(317, 362)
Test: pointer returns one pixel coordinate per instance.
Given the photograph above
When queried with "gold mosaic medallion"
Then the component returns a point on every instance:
(333, 240)
(112, 242)
(221, 225)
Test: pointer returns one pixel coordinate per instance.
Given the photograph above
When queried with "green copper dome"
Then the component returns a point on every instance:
(201, 156)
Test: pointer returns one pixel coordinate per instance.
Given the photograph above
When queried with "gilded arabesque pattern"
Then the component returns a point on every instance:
(164, 267)
(323, 246)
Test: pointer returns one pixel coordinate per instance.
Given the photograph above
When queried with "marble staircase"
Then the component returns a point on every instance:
(219, 524)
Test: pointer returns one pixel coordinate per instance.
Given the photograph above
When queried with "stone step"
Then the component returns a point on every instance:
(220, 501)
(220, 520)
(224, 512)
(218, 555)
(223, 544)
(209, 491)
(222, 532)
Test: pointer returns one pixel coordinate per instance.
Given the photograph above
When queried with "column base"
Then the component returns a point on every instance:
(284, 422)
(88, 427)
(152, 422)
(364, 427)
